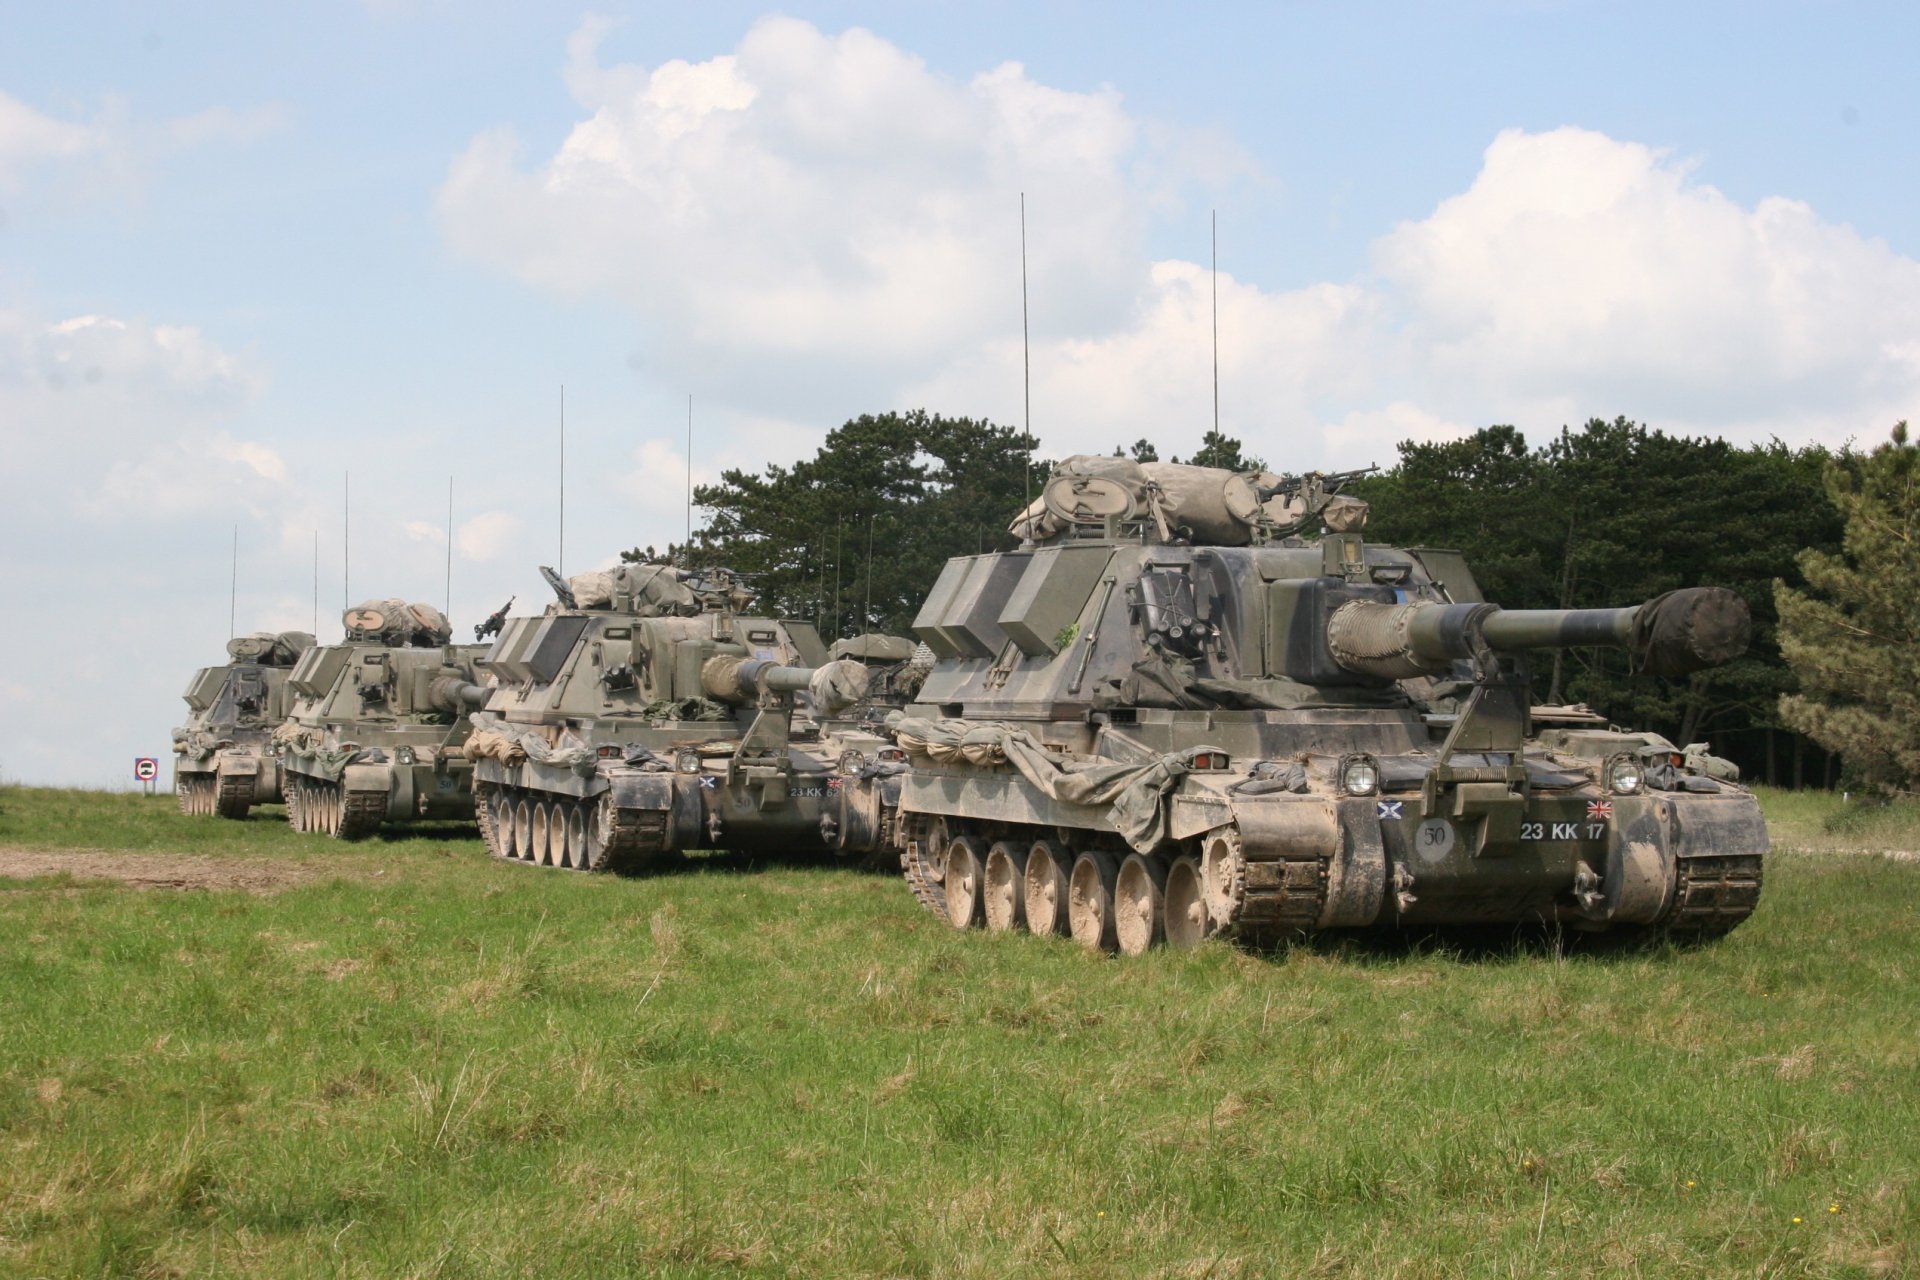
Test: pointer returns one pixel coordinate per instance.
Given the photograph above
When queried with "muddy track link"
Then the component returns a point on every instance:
(1281, 898)
(919, 863)
(361, 813)
(628, 837)
(1712, 894)
(195, 793)
(235, 796)
(616, 839)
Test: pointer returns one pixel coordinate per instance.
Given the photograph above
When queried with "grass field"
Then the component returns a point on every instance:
(403, 1059)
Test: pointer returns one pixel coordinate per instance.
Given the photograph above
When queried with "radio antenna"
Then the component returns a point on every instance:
(686, 548)
(449, 546)
(1216, 322)
(1026, 363)
(839, 550)
(560, 560)
(233, 585)
(866, 616)
(346, 542)
(316, 585)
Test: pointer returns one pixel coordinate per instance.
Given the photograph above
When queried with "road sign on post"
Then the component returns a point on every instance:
(145, 770)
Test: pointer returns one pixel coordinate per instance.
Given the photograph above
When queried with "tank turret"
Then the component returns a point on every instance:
(376, 735)
(1174, 711)
(224, 759)
(648, 711)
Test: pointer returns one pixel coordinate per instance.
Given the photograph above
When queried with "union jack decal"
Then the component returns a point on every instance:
(1599, 808)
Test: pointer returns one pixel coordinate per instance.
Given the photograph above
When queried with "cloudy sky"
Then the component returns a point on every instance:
(246, 250)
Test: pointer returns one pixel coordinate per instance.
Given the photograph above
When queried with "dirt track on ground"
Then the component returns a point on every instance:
(161, 870)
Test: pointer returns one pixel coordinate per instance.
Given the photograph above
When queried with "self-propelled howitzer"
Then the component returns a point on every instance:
(648, 712)
(377, 732)
(224, 758)
(1169, 713)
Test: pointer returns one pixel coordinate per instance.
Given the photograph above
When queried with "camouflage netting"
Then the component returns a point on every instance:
(655, 590)
(494, 739)
(1207, 505)
(270, 649)
(329, 757)
(194, 744)
(837, 686)
(873, 647)
(1134, 795)
(396, 622)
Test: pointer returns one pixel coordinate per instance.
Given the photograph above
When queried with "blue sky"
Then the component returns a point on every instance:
(244, 249)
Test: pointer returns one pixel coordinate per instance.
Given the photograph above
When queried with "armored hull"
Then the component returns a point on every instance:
(1134, 734)
(225, 761)
(646, 713)
(376, 735)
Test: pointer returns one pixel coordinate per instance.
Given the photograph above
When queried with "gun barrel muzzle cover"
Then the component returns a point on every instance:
(1690, 630)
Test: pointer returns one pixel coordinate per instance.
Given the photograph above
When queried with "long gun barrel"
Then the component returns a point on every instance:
(1671, 635)
(453, 695)
(736, 681)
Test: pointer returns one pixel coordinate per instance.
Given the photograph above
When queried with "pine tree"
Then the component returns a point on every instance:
(1853, 636)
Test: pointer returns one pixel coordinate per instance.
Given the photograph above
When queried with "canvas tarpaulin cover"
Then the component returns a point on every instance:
(1134, 795)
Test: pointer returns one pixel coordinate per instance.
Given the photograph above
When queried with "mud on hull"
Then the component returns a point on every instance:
(1685, 867)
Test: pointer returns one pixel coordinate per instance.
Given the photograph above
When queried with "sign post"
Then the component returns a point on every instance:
(145, 770)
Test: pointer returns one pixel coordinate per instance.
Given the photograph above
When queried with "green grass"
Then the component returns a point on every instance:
(463, 1068)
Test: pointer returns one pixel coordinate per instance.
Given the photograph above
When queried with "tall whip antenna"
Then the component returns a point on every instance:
(316, 584)
(346, 542)
(1216, 322)
(560, 564)
(839, 549)
(1026, 362)
(233, 585)
(866, 616)
(686, 548)
(449, 546)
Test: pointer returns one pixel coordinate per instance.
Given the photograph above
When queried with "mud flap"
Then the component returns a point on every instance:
(1357, 874)
(395, 784)
(675, 794)
(1639, 877)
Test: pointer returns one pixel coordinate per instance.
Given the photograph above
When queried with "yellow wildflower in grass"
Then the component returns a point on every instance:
(1796, 1222)
(1833, 1208)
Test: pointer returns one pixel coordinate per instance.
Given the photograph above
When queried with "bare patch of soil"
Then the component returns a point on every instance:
(161, 870)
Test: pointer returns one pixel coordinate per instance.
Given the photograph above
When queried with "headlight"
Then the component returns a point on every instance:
(687, 762)
(1625, 777)
(1359, 776)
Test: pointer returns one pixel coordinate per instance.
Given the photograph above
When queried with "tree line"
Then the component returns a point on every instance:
(1610, 513)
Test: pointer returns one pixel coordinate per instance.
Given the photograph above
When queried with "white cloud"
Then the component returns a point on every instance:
(488, 536)
(123, 420)
(1577, 265)
(28, 137)
(827, 226)
(813, 197)
(111, 150)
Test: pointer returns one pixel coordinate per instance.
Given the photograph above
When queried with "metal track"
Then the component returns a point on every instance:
(1277, 894)
(194, 793)
(916, 863)
(235, 796)
(630, 837)
(1712, 894)
(617, 839)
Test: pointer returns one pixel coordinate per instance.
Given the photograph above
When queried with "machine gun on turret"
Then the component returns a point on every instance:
(494, 621)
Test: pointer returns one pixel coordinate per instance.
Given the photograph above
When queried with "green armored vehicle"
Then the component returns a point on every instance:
(377, 731)
(1172, 713)
(647, 712)
(224, 758)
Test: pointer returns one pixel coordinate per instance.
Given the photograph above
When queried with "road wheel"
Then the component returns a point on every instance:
(1186, 909)
(964, 870)
(1139, 893)
(1090, 900)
